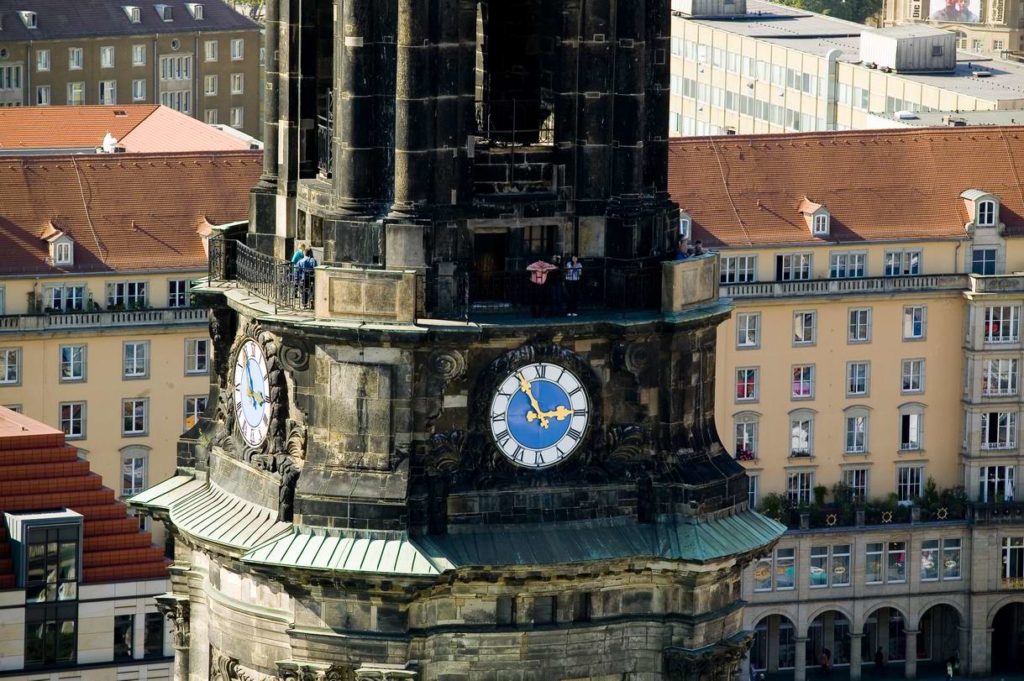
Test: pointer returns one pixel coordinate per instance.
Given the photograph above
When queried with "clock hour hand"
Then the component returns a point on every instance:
(257, 398)
(560, 412)
(524, 385)
(252, 393)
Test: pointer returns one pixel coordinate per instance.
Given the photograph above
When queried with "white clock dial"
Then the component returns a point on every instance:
(252, 393)
(539, 415)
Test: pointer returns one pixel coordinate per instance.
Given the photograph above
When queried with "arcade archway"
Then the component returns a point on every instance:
(1008, 639)
(774, 647)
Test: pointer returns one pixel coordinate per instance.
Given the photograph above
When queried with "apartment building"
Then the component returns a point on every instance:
(200, 58)
(97, 334)
(78, 577)
(869, 382)
(756, 67)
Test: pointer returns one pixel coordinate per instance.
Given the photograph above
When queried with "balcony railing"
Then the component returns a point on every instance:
(324, 138)
(85, 320)
(999, 512)
(825, 287)
(264, 276)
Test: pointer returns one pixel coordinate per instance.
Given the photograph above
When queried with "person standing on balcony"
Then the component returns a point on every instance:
(306, 269)
(299, 254)
(539, 286)
(573, 282)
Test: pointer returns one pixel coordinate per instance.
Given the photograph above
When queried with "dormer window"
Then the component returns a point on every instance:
(166, 12)
(134, 14)
(196, 10)
(816, 216)
(820, 225)
(63, 253)
(986, 216)
(29, 19)
(684, 225)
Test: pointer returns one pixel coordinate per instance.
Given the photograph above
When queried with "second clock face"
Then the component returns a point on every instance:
(252, 393)
(539, 415)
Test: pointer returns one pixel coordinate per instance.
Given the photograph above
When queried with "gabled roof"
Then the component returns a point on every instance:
(38, 471)
(878, 185)
(138, 128)
(125, 212)
(61, 19)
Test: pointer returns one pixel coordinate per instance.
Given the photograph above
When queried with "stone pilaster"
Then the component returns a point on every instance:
(910, 664)
(176, 609)
(800, 672)
(855, 659)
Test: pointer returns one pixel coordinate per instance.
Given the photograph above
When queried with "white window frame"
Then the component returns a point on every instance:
(139, 55)
(915, 322)
(903, 262)
(1000, 317)
(738, 269)
(748, 330)
(909, 482)
(210, 85)
(993, 478)
(63, 253)
(986, 213)
(753, 490)
(990, 255)
(848, 265)
(210, 116)
(802, 387)
(858, 327)
(914, 415)
(804, 420)
(75, 59)
(138, 89)
(10, 366)
(127, 293)
(855, 431)
(237, 116)
(793, 266)
(68, 424)
(177, 293)
(44, 95)
(745, 433)
(71, 363)
(134, 367)
(76, 88)
(237, 49)
(1000, 376)
(800, 487)
(998, 430)
(42, 60)
(211, 50)
(854, 379)
(825, 559)
(107, 54)
(780, 562)
(134, 429)
(805, 328)
(820, 225)
(859, 488)
(106, 92)
(193, 409)
(196, 362)
(912, 374)
(237, 83)
(134, 470)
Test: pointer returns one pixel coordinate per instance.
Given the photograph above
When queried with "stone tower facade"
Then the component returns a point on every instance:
(406, 477)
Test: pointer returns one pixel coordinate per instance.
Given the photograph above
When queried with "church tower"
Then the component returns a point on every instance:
(403, 473)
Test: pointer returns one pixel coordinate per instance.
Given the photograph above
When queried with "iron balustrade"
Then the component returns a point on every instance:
(262, 275)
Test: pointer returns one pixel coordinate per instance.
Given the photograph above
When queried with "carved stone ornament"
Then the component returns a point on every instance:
(718, 662)
(443, 367)
(626, 443)
(177, 610)
(446, 453)
(224, 668)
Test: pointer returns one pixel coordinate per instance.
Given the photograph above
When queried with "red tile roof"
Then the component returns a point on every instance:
(138, 128)
(125, 213)
(38, 472)
(746, 190)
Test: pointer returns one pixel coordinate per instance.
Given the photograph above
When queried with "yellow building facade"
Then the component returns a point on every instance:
(869, 382)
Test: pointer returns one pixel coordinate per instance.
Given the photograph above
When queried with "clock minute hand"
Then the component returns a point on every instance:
(524, 385)
(560, 412)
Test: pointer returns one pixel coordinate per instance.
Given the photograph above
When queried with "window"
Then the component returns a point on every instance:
(1013, 562)
(10, 77)
(914, 317)
(76, 94)
(177, 293)
(127, 294)
(43, 96)
(801, 428)
(124, 637)
(237, 84)
(176, 67)
(684, 225)
(857, 480)
(820, 227)
(999, 430)
(66, 298)
(847, 265)
(859, 329)
(209, 85)
(793, 267)
(133, 412)
(799, 485)
(72, 420)
(999, 377)
(153, 635)
(902, 263)
(106, 57)
(195, 9)
(997, 484)
(544, 608)
(753, 490)
(986, 213)
(885, 562)
(804, 324)
(63, 253)
(738, 269)
(746, 384)
(72, 363)
(195, 405)
(505, 610)
(10, 366)
(74, 58)
(830, 566)
(136, 359)
(237, 49)
(210, 50)
(746, 437)
(165, 13)
(909, 482)
(133, 466)
(197, 355)
(951, 559)
(210, 116)
(179, 100)
(139, 90)
(138, 55)
(803, 382)
(108, 92)
(777, 571)
(856, 432)
(911, 427)
(42, 60)
(50, 635)
(1002, 324)
(857, 376)
(748, 329)
(983, 260)
(52, 563)
(237, 116)
(913, 376)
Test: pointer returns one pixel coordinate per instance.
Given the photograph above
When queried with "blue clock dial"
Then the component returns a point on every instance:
(539, 415)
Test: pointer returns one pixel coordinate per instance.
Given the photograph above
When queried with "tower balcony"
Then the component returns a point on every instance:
(458, 293)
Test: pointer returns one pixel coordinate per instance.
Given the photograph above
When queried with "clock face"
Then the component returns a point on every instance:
(252, 393)
(539, 415)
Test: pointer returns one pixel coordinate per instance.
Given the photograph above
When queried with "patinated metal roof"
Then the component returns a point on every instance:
(336, 550)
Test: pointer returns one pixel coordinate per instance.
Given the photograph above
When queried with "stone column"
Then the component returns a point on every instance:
(176, 609)
(271, 34)
(856, 666)
(910, 665)
(964, 648)
(800, 672)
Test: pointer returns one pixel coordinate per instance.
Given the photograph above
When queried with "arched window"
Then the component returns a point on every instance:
(801, 433)
(134, 470)
(986, 213)
(911, 426)
(745, 442)
(856, 430)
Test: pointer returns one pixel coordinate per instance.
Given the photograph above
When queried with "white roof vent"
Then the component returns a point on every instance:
(29, 19)
(981, 74)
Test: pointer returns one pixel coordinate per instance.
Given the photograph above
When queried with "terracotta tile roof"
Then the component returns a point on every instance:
(38, 472)
(61, 19)
(137, 128)
(747, 190)
(125, 213)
